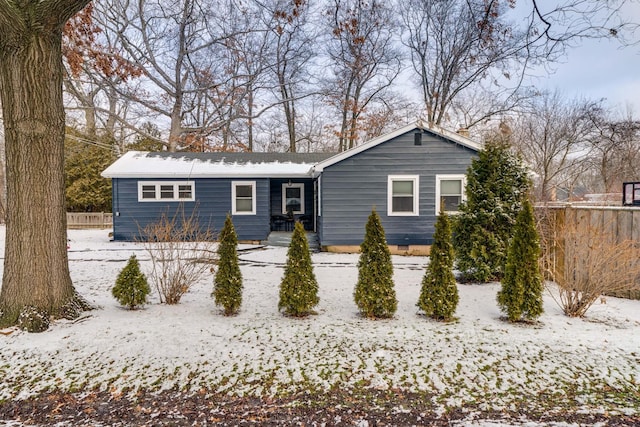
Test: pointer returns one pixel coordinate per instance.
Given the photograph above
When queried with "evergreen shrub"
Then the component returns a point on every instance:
(439, 291)
(131, 288)
(227, 290)
(521, 294)
(299, 287)
(375, 294)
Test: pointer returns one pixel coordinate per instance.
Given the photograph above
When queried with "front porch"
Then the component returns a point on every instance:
(283, 238)
(291, 200)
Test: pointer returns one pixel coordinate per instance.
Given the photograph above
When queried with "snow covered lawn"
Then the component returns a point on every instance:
(481, 363)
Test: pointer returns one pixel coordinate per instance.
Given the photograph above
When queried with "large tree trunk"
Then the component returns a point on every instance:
(36, 270)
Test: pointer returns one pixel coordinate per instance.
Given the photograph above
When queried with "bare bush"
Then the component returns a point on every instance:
(583, 256)
(181, 254)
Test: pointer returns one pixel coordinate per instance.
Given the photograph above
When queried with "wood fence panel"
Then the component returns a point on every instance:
(625, 225)
(635, 226)
(80, 220)
(606, 222)
(610, 224)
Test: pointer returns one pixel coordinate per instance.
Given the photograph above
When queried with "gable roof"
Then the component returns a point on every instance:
(138, 164)
(435, 130)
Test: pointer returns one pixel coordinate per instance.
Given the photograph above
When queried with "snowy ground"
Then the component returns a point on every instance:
(481, 363)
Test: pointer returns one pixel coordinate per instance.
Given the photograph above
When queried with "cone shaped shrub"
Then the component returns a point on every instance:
(375, 295)
(521, 294)
(131, 288)
(439, 292)
(227, 284)
(496, 183)
(299, 288)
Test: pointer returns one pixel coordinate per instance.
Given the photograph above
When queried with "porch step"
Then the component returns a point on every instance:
(283, 238)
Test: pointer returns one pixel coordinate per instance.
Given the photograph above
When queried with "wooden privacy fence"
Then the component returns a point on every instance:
(614, 224)
(78, 220)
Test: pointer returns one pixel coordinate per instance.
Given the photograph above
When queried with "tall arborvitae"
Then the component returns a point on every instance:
(496, 183)
(227, 289)
(521, 293)
(299, 287)
(375, 295)
(439, 293)
(131, 288)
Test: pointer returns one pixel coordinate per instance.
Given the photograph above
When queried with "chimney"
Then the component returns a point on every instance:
(463, 132)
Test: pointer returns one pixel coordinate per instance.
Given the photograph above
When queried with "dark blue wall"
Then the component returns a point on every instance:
(352, 187)
(213, 202)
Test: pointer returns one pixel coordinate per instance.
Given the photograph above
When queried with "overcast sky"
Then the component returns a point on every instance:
(601, 69)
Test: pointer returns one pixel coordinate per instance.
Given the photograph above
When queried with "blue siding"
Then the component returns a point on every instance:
(352, 187)
(213, 202)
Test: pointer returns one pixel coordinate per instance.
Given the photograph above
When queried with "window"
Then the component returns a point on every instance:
(450, 191)
(148, 192)
(243, 197)
(631, 193)
(184, 191)
(402, 195)
(293, 198)
(166, 191)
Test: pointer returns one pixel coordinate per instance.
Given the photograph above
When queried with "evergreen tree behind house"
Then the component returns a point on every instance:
(85, 189)
(299, 287)
(227, 291)
(497, 183)
(521, 295)
(375, 294)
(439, 292)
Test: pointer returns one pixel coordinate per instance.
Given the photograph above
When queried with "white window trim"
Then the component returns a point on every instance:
(416, 194)
(235, 184)
(299, 185)
(463, 197)
(176, 193)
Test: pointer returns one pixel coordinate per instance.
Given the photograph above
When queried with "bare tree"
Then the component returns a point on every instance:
(170, 42)
(464, 47)
(93, 67)
(36, 278)
(292, 51)
(3, 181)
(365, 60)
(561, 25)
(458, 46)
(231, 84)
(615, 150)
(552, 136)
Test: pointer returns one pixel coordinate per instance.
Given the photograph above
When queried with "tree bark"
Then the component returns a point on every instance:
(36, 269)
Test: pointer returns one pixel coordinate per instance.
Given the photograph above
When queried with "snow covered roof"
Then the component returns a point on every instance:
(436, 130)
(137, 164)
